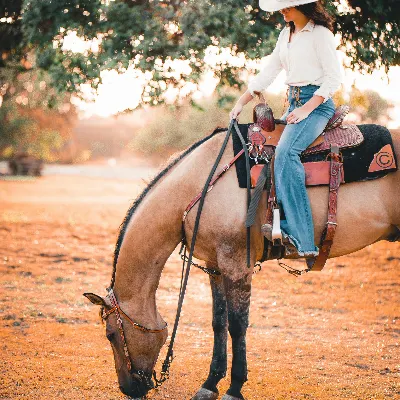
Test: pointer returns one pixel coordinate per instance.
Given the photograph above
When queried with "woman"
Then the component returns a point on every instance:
(306, 50)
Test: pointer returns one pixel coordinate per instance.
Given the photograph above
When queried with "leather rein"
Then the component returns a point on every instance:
(143, 376)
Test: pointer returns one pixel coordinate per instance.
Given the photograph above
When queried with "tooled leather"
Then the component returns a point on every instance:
(316, 173)
(264, 117)
(338, 117)
(331, 225)
(344, 136)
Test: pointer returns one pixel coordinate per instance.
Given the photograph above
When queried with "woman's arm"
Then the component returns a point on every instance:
(261, 81)
(269, 72)
(298, 114)
(237, 109)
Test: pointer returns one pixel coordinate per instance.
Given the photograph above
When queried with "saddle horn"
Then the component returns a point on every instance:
(263, 115)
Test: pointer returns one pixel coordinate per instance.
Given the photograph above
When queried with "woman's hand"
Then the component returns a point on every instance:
(236, 111)
(297, 115)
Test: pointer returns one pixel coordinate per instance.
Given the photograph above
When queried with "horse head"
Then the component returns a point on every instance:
(135, 347)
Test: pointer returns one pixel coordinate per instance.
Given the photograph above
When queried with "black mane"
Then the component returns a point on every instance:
(139, 199)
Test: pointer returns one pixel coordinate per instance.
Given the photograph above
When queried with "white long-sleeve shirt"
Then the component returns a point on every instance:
(309, 59)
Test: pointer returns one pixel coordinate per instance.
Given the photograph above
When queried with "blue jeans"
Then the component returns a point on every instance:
(289, 172)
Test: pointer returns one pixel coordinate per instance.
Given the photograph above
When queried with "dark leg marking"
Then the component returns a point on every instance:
(238, 300)
(220, 324)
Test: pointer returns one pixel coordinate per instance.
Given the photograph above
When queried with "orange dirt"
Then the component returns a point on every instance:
(329, 335)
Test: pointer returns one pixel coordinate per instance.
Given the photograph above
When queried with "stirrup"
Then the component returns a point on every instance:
(276, 234)
(273, 232)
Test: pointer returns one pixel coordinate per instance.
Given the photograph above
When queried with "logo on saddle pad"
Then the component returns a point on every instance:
(384, 159)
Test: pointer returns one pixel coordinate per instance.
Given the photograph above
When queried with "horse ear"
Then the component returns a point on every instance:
(99, 301)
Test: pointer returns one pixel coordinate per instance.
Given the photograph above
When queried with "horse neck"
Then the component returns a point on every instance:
(151, 236)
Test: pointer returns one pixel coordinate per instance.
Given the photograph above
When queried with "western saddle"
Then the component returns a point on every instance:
(264, 135)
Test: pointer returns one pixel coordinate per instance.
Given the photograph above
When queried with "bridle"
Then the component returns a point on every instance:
(144, 377)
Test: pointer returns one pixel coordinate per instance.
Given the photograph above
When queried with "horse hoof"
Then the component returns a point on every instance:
(229, 397)
(205, 394)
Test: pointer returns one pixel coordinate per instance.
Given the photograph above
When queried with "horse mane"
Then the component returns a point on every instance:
(138, 200)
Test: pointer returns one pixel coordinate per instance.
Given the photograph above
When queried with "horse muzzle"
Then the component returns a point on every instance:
(137, 387)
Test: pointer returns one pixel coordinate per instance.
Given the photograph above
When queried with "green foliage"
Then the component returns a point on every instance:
(45, 144)
(10, 30)
(373, 30)
(25, 94)
(145, 34)
(15, 126)
(22, 134)
(24, 91)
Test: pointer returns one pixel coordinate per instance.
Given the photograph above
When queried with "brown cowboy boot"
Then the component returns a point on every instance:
(273, 232)
(267, 231)
(290, 249)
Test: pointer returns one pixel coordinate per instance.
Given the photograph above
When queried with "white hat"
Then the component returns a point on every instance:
(275, 5)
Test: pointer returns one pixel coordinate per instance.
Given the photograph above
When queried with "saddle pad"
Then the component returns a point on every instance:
(358, 161)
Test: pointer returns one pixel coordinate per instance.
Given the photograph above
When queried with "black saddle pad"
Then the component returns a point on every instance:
(356, 160)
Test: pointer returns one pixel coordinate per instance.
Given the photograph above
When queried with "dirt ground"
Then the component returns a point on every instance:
(328, 335)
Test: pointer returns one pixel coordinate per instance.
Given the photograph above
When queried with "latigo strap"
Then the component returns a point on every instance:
(329, 232)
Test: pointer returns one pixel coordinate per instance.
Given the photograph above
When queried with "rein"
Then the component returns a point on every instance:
(187, 260)
(145, 377)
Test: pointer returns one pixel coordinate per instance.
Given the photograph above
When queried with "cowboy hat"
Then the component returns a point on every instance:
(275, 5)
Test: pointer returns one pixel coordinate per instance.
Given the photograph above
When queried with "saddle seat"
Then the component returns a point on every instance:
(267, 131)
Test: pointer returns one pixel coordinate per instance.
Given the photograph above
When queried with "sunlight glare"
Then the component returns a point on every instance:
(121, 91)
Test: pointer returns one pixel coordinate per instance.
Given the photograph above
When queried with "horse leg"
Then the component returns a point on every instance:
(238, 299)
(218, 366)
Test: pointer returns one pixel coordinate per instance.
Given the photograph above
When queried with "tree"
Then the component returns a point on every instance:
(11, 52)
(148, 34)
(373, 31)
(26, 95)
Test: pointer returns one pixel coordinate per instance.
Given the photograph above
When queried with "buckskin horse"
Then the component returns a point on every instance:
(368, 212)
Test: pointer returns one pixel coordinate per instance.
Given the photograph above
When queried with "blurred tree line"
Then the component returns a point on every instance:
(39, 71)
(35, 118)
(181, 127)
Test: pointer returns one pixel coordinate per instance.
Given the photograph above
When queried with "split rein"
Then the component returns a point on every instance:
(188, 260)
(144, 377)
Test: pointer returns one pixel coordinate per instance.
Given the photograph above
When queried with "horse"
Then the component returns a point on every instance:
(152, 228)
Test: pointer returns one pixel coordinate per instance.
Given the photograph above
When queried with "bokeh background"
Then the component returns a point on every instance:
(95, 96)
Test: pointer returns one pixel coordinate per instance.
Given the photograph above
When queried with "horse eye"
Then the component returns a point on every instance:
(110, 336)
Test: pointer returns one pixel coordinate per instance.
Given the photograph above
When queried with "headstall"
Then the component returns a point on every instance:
(144, 377)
